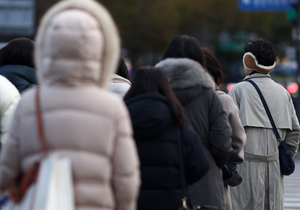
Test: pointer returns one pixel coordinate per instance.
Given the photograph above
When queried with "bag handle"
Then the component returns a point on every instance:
(40, 122)
(266, 108)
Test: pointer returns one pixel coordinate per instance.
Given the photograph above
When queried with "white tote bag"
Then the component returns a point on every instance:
(53, 189)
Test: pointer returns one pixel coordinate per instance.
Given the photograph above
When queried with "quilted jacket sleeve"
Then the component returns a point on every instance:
(238, 133)
(219, 132)
(126, 175)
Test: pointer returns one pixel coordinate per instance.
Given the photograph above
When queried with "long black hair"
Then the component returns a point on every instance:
(149, 79)
(123, 70)
(185, 47)
(18, 51)
(212, 66)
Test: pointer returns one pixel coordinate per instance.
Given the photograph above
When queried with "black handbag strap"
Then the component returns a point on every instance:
(185, 200)
(181, 164)
(267, 109)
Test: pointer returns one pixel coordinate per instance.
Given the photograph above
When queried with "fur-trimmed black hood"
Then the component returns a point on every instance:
(185, 73)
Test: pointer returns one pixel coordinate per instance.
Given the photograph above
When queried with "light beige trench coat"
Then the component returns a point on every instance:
(76, 52)
(262, 186)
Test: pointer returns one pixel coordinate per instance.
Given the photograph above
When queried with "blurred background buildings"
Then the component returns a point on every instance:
(147, 26)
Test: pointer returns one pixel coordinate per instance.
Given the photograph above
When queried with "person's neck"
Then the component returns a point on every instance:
(254, 72)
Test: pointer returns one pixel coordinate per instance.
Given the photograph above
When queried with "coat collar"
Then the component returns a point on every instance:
(257, 75)
(118, 79)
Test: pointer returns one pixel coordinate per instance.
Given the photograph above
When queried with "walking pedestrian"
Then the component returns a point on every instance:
(16, 63)
(77, 50)
(262, 186)
(238, 137)
(159, 125)
(195, 89)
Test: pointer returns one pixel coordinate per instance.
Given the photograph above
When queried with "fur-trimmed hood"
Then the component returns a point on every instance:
(185, 73)
(77, 42)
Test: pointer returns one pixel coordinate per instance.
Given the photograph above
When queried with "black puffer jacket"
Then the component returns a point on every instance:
(156, 137)
(195, 90)
(22, 77)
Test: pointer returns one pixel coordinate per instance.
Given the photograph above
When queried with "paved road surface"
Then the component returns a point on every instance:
(292, 188)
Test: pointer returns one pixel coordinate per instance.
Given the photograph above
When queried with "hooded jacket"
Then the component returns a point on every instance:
(157, 136)
(195, 90)
(77, 50)
(9, 98)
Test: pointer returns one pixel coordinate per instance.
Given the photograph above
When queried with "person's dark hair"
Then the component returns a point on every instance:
(213, 66)
(185, 47)
(263, 50)
(18, 51)
(149, 79)
(123, 70)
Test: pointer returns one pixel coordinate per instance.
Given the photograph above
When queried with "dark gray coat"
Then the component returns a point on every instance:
(195, 90)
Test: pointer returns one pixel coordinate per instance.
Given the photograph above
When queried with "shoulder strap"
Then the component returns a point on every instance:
(40, 127)
(267, 109)
(181, 164)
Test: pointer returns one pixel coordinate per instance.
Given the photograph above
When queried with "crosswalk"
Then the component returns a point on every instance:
(292, 188)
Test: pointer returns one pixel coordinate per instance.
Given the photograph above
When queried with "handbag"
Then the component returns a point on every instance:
(52, 190)
(185, 201)
(286, 161)
(231, 175)
(54, 185)
(45, 185)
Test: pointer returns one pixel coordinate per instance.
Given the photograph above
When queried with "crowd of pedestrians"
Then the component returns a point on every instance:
(158, 140)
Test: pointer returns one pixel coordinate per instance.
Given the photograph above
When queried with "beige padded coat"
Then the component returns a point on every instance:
(77, 50)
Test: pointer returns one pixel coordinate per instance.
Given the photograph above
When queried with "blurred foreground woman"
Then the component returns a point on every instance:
(157, 117)
(77, 50)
